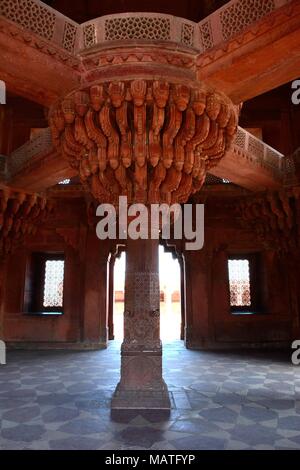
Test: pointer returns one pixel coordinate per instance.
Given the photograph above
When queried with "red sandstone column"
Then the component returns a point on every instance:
(141, 385)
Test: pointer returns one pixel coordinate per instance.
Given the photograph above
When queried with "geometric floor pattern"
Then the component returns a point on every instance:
(220, 400)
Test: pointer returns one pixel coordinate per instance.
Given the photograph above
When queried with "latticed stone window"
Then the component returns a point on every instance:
(239, 282)
(187, 34)
(206, 35)
(247, 283)
(44, 284)
(54, 283)
(132, 27)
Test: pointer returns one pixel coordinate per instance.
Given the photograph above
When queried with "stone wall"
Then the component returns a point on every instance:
(209, 321)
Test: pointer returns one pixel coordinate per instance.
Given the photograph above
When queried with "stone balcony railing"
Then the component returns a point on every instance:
(290, 173)
(47, 23)
(39, 145)
(154, 27)
(248, 148)
(233, 18)
(259, 153)
(223, 24)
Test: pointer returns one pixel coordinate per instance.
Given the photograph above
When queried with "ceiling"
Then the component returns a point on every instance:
(85, 10)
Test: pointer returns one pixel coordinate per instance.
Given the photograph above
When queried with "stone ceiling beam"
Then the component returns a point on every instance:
(252, 164)
(36, 165)
(44, 172)
(33, 67)
(245, 174)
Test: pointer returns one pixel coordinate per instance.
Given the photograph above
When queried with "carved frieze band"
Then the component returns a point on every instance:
(142, 298)
(141, 288)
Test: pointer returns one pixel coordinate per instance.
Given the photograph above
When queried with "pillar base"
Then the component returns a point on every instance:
(141, 386)
(124, 399)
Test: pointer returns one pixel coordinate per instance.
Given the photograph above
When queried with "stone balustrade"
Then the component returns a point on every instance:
(255, 150)
(290, 164)
(220, 26)
(40, 144)
(154, 27)
(47, 23)
(233, 18)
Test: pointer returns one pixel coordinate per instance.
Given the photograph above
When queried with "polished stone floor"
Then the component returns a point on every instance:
(220, 400)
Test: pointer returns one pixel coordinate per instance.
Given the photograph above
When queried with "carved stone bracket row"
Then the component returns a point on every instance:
(274, 218)
(20, 215)
(150, 140)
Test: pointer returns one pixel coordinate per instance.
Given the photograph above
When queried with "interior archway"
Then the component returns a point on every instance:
(171, 314)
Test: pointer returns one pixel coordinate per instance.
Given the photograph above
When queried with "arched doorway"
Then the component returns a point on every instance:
(118, 306)
(172, 293)
(170, 296)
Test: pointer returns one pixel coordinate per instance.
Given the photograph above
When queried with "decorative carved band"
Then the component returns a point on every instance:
(142, 288)
(141, 326)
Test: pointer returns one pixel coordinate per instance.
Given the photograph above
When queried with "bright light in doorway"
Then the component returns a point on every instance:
(170, 302)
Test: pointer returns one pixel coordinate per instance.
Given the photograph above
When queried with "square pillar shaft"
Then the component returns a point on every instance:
(141, 385)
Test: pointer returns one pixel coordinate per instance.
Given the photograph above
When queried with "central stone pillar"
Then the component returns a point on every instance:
(152, 141)
(141, 385)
